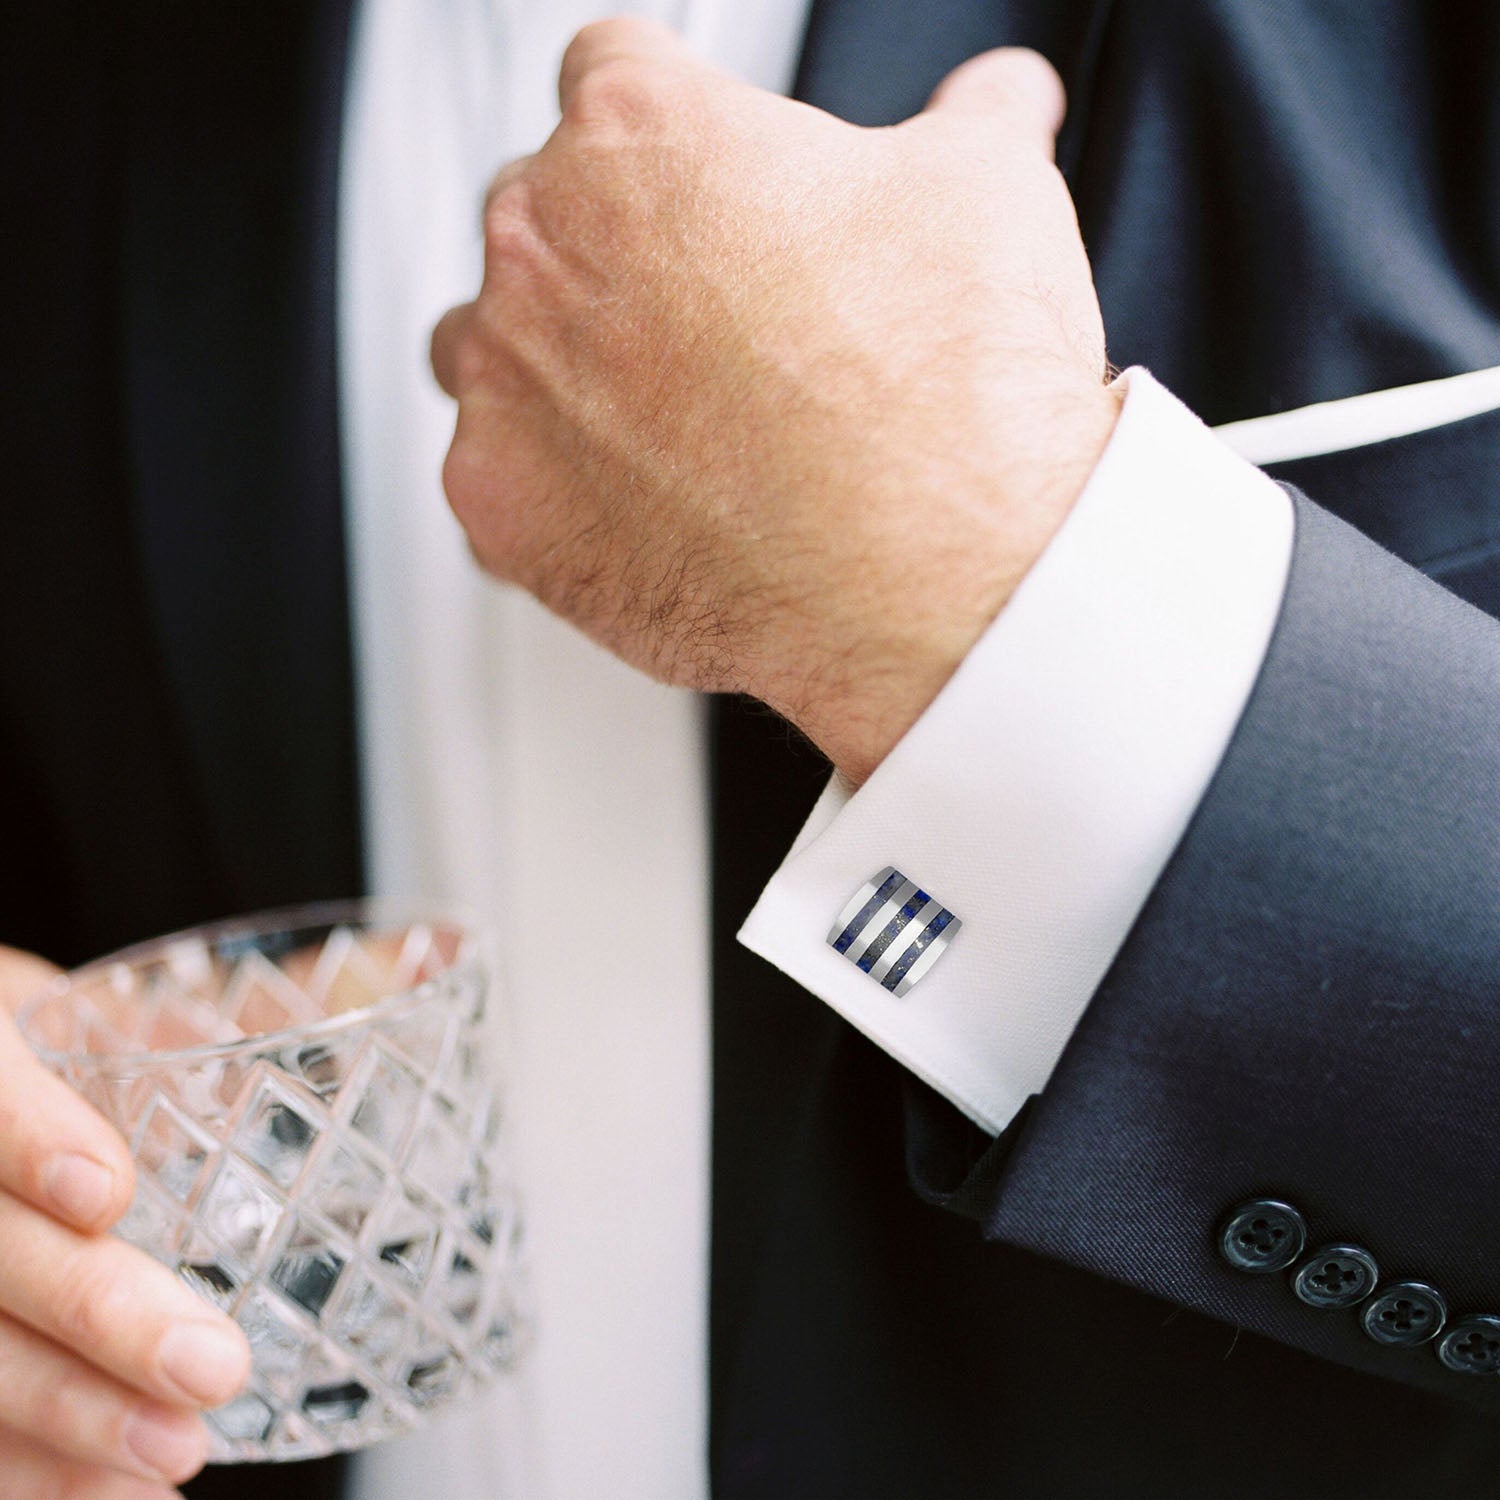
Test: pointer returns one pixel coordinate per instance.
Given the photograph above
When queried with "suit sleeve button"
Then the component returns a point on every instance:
(1262, 1235)
(1405, 1313)
(1472, 1346)
(1336, 1276)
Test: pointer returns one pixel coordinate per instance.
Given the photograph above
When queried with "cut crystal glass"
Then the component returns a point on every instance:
(431, 1375)
(277, 1135)
(309, 1267)
(371, 1320)
(279, 1338)
(171, 1149)
(152, 1218)
(463, 1283)
(206, 1270)
(247, 1419)
(240, 1211)
(405, 1239)
(346, 1185)
(440, 1160)
(387, 1094)
(337, 1404)
(318, 1154)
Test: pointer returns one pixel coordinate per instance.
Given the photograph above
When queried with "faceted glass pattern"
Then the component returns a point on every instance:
(319, 1154)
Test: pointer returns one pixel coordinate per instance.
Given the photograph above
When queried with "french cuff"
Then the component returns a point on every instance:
(1040, 795)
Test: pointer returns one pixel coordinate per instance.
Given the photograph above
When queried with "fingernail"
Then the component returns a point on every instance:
(167, 1442)
(80, 1187)
(208, 1361)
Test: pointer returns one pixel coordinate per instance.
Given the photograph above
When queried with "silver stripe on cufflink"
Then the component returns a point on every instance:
(893, 930)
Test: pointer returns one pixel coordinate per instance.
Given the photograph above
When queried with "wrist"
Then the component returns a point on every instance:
(895, 654)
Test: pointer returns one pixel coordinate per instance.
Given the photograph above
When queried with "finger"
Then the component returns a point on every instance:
(22, 975)
(55, 1151)
(1016, 88)
(33, 1473)
(58, 1401)
(447, 341)
(119, 1309)
(620, 39)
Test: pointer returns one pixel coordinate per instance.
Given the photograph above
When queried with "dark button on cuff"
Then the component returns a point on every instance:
(1472, 1346)
(1262, 1235)
(1336, 1276)
(1405, 1313)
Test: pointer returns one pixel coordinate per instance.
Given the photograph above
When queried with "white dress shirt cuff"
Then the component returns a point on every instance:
(1042, 792)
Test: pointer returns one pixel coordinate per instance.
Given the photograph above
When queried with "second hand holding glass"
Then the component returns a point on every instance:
(318, 1153)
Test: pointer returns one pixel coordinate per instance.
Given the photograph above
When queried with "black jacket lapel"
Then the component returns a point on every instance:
(232, 118)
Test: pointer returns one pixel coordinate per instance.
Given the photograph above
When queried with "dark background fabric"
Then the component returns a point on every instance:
(1065, 1328)
(176, 698)
(1285, 202)
(176, 702)
(1429, 497)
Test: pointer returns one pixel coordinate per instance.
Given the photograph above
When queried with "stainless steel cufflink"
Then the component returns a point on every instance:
(893, 931)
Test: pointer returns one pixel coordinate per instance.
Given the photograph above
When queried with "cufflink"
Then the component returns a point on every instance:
(893, 930)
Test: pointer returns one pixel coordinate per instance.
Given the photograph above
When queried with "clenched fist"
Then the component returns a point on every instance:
(765, 402)
(105, 1357)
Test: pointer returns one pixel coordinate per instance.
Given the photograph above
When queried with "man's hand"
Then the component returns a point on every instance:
(765, 402)
(103, 1353)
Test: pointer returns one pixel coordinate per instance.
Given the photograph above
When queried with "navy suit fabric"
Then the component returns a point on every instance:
(1284, 203)
(1308, 1002)
(1306, 1008)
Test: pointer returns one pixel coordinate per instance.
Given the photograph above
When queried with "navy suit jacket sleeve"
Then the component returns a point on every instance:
(1308, 1007)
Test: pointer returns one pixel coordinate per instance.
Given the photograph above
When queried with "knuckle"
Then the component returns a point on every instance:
(20, 1144)
(71, 1481)
(459, 479)
(511, 238)
(471, 361)
(471, 484)
(79, 1482)
(55, 1411)
(31, 1470)
(601, 34)
(623, 91)
(94, 1303)
(596, 39)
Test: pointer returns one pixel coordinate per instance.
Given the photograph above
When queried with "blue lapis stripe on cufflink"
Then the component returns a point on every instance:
(893, 930)
(869, 901)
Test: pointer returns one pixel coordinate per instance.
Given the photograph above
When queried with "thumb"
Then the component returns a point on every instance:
(22, 975)
(1014, 87)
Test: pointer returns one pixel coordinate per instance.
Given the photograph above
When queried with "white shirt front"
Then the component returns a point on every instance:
(510, 765)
